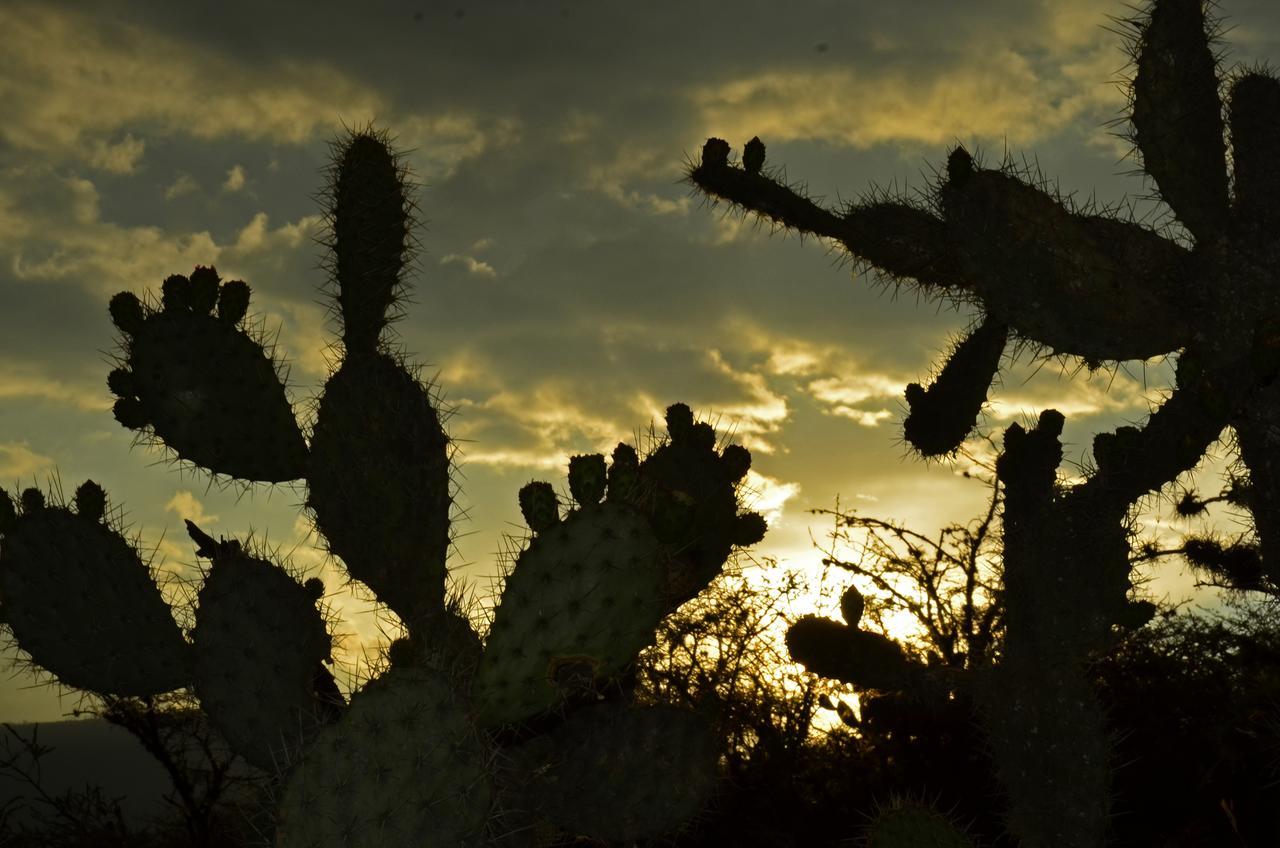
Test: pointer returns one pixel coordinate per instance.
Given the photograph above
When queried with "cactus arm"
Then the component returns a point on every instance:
(1254, 121)
(1043, 719)
(1177, 115)
(904, 241)
(1090, 285)
(943, 415)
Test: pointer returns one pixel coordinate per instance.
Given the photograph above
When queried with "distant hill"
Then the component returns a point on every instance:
(90, 752)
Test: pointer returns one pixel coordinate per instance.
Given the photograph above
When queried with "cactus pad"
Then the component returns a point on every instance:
(403, 767)
(204, 386)
(80, 601)
(586, 592)
(259, 642)
(378, 482)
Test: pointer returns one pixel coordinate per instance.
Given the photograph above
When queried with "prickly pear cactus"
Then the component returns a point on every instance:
(1090, 284)
(422, 754)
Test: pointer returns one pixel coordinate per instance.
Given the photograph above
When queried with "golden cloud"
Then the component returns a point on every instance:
(72, 83)
(18, 460)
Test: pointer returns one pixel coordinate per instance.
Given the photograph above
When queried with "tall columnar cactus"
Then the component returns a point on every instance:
(457, 743)
(1104, 289)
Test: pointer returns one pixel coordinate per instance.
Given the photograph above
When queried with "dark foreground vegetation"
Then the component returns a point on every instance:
(1192, 700)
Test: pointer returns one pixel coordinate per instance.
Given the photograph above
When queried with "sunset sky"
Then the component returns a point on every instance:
(569, 286)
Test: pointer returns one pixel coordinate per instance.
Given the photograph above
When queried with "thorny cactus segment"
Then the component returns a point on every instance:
(404, 766)
(1177, 116)
(624, 773)
(583, 599)
(378, 483)
(259, 642)
(80, 601)
(943, 415)
(1066, 567)
(370, 210)
(1129, 313)
(1005, 236)
(204, 386)
(1254, 123)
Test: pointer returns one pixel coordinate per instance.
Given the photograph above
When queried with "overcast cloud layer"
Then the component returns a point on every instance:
(569, 286)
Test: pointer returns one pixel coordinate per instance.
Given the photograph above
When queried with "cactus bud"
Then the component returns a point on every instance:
(679, 421)
(121, 383)
(126, 312)
(715, 152)
(314, 587)
(539, 506)
(587, 478)
(91, 501)
(176, 292)
(959, 166)
(753, 155)
(129, 412)
(203, 290)
(851, 606)
(233, 301)
(32, 501)
(749, 529)
(736, 462)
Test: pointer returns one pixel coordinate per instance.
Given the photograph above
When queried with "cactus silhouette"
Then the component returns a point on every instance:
(457, 742)
(1090, 284)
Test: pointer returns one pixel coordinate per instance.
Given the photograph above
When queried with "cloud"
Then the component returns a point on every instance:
(28, 382)
(474, 266)
(119, 158)
(72, 80)
(257, 237)
(184, 184)
(443, 140)
(235, 179)
(1000, 96)
(62, 237)
(186, 506)
(768, 495)
(18, 460)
